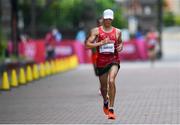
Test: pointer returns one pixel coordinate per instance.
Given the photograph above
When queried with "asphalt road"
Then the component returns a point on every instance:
(145, 94)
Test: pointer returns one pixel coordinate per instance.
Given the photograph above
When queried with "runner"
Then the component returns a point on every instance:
(108, 44)
(94, 51)
(152, 43)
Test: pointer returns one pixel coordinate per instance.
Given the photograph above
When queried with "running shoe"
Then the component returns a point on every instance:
(111, 114)
(106, 108)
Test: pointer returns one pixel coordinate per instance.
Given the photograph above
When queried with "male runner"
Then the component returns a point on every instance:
(108, 45)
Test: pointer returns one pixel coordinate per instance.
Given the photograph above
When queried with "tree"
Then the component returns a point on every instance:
(63, 13)
(119, 20)
(3, 44)
(68, 14)
(168, 19)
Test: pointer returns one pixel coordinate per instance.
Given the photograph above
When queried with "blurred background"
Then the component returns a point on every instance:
(58, 27)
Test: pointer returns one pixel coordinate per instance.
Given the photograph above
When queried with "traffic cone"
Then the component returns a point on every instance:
(42, 70)
(62, 65)
(47, 68)
(14, 82)
(35, 72)
(5, 82)
(22, 78)
(75, 61)
(72, 65)
(70, 62)
(29, 74)
(65, 64)
(58, 65)
(50, 68)
(54, 67)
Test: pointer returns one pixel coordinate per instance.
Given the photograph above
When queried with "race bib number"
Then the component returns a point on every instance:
(107, 48)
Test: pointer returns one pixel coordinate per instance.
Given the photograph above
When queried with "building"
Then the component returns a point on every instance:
(146, 12)
(5, 16)
(173, 6)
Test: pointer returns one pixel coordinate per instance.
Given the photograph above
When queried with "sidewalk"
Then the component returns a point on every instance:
(171, 44)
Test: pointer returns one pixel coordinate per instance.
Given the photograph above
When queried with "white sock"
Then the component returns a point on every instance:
(111, 108)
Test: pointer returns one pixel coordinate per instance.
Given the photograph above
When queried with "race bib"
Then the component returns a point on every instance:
(107, 48)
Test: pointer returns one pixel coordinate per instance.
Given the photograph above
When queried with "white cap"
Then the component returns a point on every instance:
(108, 14)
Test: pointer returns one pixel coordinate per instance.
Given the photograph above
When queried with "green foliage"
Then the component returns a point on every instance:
(101, 5)
(67, 14)
(71, 12)
(168, 19)
(3, 44)
(63, 13)
(118, 21)
(177, 20)
(40, 2)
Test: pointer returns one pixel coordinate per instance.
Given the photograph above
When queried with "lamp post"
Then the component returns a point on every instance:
(160, 24)
(33, 18)
(14, 28)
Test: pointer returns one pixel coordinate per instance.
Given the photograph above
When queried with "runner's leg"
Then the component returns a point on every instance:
(103, 82)
(112, 88)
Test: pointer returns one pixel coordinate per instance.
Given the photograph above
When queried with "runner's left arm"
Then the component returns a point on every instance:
(119, 40)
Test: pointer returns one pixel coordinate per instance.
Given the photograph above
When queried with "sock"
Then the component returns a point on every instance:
(106, 103)
(111, 109)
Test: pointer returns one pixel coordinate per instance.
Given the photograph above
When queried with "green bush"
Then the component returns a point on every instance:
(3, 45)
(177, 20)
(168, 19)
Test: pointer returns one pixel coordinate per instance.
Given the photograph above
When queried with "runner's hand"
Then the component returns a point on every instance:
(105, 41)
(119, 47)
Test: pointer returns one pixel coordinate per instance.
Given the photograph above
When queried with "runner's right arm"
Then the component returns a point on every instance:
(91, 38)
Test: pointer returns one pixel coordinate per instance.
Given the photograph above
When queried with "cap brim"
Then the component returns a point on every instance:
(108, 17)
